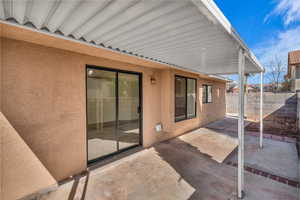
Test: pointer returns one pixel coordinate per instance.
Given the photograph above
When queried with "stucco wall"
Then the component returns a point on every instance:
(1, 136)
(206, 113)
(43, 96)
(297, 84)
(22, 172)
(295, 77)
(298, 111)
(0, 73)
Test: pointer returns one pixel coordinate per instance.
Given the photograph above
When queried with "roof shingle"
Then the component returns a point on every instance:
(294, 57)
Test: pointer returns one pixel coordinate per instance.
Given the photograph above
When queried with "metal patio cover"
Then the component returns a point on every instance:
(189, 34)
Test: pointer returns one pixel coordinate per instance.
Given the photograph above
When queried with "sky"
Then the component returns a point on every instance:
(270, 28)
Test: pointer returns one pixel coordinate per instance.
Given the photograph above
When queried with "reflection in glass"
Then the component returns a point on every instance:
(191, 98)
(101, 113)
(128, 124)
(204, 94)
(113, 112)
(209, 94)
(180, 98)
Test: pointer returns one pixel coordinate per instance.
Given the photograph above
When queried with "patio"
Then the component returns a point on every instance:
(192, 38)
(177, 170)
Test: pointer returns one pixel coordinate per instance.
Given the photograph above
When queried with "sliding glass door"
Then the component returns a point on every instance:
(128, 110)
(101, 113)
(113, 111)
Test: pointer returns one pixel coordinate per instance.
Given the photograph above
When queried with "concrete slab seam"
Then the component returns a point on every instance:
(274, 177)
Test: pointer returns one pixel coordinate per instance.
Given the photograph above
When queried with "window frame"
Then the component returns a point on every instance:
(186, 97)
(205, 88)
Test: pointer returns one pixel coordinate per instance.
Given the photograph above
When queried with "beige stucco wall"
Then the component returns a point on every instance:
(1, 51)
(206, 113)
(1, 135)
(297, 84)
(297, 78)
(43, 96)
(22, 172)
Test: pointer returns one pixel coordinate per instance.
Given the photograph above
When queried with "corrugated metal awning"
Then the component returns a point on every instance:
(191, 34)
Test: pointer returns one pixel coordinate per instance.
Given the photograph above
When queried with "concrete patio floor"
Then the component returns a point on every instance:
(276, 157)
(176, 170)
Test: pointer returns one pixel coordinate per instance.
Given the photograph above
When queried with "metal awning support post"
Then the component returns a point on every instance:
(241, 124)
(261, 109)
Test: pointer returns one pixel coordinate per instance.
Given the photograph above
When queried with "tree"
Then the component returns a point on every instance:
(275, 74)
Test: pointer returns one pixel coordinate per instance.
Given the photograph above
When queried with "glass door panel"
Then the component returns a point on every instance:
(191, 98)
(101, 113)
(128, 110)
(180, 98)
(113, 111)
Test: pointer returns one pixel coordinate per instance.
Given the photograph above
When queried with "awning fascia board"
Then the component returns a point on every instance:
(215, 14)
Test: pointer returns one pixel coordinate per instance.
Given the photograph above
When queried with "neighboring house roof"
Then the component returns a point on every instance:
(293, 59)
(252, 87)
(220, 78)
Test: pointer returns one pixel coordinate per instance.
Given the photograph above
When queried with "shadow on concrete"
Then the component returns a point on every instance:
(85, 186)
(115, 157)
(212, 180)
(277, 157)
(75, 187)
(197, 169)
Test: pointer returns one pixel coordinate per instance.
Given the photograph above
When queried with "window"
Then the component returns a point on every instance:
(207, 94)
(185, 98)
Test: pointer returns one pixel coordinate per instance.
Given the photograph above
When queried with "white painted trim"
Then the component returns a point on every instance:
(241, 124)
(261, 110)
(222, 20)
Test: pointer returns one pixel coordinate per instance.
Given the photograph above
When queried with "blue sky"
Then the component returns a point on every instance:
(269, 27)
